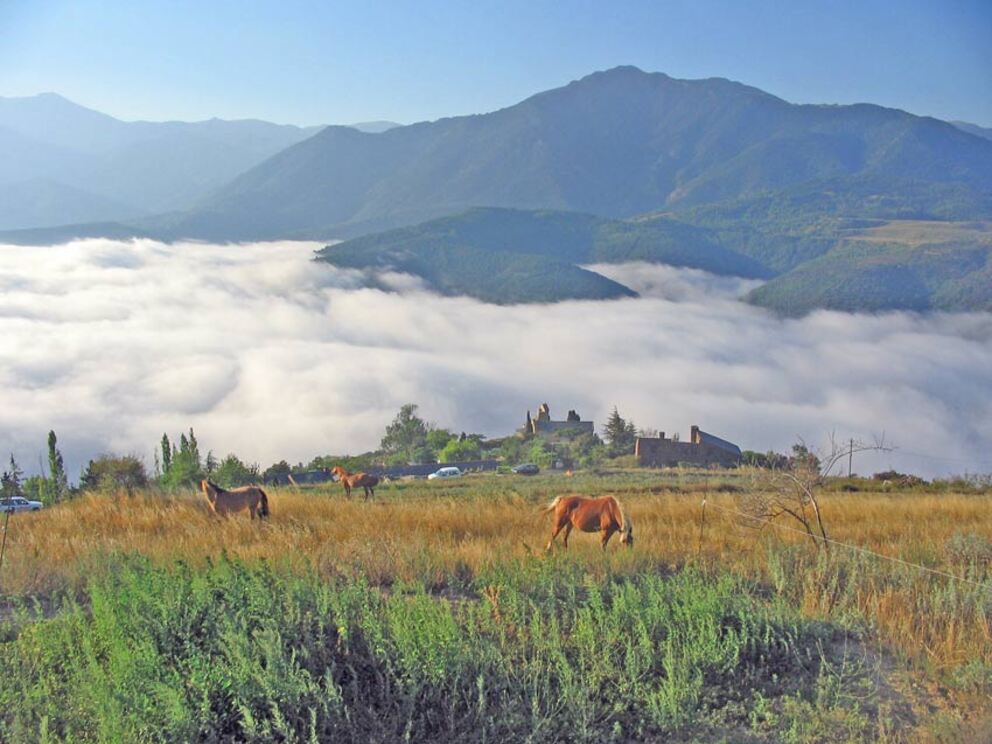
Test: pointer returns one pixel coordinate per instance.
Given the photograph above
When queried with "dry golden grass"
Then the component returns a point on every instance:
(433, 532)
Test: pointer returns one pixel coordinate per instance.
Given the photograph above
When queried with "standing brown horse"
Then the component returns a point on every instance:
(350, 480)
(224, 502)
(604, 515)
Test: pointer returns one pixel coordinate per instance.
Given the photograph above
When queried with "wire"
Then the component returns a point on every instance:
(858, 548)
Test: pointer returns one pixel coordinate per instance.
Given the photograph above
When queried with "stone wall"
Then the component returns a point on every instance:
(553, 427)
(659, 452)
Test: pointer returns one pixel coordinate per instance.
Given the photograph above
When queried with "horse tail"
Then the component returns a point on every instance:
(551, 507)
(625, 524)
(264, 509)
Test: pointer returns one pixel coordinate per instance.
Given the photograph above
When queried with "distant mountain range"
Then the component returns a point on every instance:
(374, 127)
(615, 144)
(69, 163)
(973, 129)
(619, 165)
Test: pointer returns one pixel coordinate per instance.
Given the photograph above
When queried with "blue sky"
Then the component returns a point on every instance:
(309, 62)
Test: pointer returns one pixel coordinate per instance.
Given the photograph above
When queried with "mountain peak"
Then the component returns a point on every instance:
(53, 96)
(619, 71)
(630, 77)
(619, 74)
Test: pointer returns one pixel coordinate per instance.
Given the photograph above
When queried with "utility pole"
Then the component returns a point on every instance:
(850, 458)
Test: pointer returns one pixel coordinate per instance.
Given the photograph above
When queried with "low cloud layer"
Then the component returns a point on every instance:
(269, 355)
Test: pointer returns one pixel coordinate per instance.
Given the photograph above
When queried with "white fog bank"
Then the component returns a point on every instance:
(270, 355)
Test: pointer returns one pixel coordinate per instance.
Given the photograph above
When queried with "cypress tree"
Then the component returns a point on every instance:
(166, 454)
(56, 468)
(619, 434)
(194, 449)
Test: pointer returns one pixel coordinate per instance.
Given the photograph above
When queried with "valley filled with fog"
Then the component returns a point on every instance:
(270, 355)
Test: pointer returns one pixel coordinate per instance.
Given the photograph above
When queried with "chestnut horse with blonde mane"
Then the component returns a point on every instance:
(223, 502)
(604, 515)
(351, 480)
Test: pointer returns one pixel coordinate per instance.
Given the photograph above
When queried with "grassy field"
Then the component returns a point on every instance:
(924, 232)
(434, 611)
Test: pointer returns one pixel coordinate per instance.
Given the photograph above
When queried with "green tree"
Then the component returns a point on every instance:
(584, 450)
(619, 435)
(542, 453)
(10, 480)
(113, 473)
(406, 438)
(277, 470)
(166, 454)
(232, 472)
(58, 481)
(184, 466)
(513, 450)
(351, 463)
(803, 458)
(459, 450)
(194, 448)
(437, 439)
(37, 488)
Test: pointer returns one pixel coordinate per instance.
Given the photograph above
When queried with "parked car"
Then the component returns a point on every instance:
(527, 468)
(18, 503)
(450, 472)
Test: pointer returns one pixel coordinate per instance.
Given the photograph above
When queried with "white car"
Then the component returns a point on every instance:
(18, 503)
(445, 473)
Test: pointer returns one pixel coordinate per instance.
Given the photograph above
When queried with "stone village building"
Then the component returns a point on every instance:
(702, 449)
(542, 425)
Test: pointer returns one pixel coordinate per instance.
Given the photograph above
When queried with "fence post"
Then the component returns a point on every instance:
(3, 545)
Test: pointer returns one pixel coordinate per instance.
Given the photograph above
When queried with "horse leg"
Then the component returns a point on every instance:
(372, 489)
(555, 529)
(607, 534)
(568, 530)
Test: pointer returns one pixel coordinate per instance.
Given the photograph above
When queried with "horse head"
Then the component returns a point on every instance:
(626, 528)
(209, 490)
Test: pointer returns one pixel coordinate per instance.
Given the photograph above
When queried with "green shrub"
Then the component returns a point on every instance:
(253, 653)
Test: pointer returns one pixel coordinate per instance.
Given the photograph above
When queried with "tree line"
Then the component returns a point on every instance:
(407, 439)
(49, 488)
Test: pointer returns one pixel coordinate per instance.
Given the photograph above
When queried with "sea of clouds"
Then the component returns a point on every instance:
(270, 355)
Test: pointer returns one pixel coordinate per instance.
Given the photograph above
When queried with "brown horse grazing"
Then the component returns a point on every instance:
(224, 502)
(604, 515)
(350, 480)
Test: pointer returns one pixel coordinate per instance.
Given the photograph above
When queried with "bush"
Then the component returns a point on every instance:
(112, 473)
(459, 450)
(766, 460)
(969, 549)
(513, 449)
(240, 653)
(232, 473)
(901, 480)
